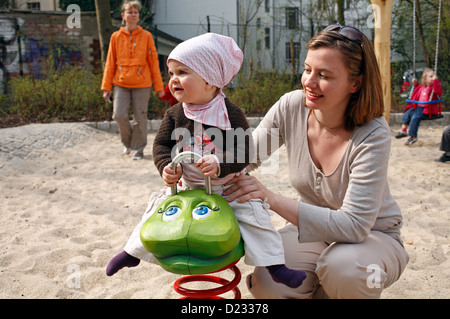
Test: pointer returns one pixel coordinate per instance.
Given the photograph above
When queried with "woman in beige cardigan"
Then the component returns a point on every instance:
(344, 230)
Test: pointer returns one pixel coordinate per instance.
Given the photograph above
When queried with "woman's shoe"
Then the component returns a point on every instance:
(444, 158)
(126, 151)
(138, 155)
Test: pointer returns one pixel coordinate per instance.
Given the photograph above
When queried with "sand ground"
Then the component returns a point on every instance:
(70, 200)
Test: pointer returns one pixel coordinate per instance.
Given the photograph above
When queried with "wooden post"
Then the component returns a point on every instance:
(382, 44)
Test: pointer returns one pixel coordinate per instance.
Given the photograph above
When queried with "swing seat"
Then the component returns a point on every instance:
(428, 105)
(433, 117)
(425, 103)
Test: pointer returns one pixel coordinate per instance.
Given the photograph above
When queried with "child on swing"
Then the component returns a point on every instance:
(414, 113)
(199, 68)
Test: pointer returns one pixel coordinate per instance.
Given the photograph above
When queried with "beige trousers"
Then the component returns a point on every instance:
(132, 136)
(339, 270)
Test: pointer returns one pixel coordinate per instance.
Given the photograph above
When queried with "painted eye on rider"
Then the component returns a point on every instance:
(201, 212)
(171, 213)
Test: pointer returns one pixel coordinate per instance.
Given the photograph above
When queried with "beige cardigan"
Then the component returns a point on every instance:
(347, 204)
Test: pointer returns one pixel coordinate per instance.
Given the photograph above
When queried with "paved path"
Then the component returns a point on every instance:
(31, 141)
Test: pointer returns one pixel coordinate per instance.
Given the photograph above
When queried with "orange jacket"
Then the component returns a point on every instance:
(132, 61)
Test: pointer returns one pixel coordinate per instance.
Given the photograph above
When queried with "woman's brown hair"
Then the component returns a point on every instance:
(360, 60)
(132, 3)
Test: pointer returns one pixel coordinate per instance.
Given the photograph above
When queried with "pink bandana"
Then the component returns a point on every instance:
(217, 59)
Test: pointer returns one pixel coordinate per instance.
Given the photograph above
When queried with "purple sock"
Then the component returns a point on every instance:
(289, 277)
(119, 261)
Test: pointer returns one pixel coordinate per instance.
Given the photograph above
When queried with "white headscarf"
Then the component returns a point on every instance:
(217, 59)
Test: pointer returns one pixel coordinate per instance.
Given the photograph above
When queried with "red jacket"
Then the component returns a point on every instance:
(436, 88)
(168, 96)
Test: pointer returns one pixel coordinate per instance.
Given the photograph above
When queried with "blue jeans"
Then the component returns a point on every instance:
(413, 118)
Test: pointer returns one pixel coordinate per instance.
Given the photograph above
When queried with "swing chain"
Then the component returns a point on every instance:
(437, 36)
(437, 44)
(414, 45)
(414, 38)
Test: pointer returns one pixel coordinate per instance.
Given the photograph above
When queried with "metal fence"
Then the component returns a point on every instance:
(266, 47)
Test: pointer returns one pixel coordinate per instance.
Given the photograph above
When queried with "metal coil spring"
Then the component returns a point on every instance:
(209, 293)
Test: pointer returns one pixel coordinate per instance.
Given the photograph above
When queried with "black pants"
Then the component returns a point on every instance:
(445, 141)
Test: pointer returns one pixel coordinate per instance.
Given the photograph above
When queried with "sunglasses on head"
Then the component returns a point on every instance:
(350, 33)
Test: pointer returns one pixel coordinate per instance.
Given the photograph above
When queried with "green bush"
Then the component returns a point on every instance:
(72, 93)
(67, 93)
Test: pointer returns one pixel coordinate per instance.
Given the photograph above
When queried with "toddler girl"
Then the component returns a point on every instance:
(199, 68)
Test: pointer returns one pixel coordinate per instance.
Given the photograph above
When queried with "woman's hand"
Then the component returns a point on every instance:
(169, 177)
(106, 95)
(244, 188)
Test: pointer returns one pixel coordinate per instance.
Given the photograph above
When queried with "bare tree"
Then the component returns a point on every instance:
(248, 9)
(340, 11)
(418, 15)
(104, 25)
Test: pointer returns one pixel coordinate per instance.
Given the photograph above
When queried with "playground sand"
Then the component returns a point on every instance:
(69, 201)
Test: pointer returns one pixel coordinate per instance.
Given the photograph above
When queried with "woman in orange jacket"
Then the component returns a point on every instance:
(132, 68)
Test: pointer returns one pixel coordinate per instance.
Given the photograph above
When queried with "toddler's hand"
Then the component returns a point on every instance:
(170, 178)
(209, 165)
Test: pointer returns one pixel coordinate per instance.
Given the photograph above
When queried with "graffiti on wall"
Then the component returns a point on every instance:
(9, 49)
(43, 41)
(38, 42)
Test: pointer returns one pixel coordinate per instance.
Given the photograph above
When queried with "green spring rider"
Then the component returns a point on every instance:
(194, 232)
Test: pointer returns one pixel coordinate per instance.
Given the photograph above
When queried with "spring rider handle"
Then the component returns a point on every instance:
(196, 156)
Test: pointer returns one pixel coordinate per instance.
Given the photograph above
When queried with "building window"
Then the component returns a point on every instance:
(267, 5)
(267, 37)
(258, 45)
(296, 47)
(34, 6)
(292, 18)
